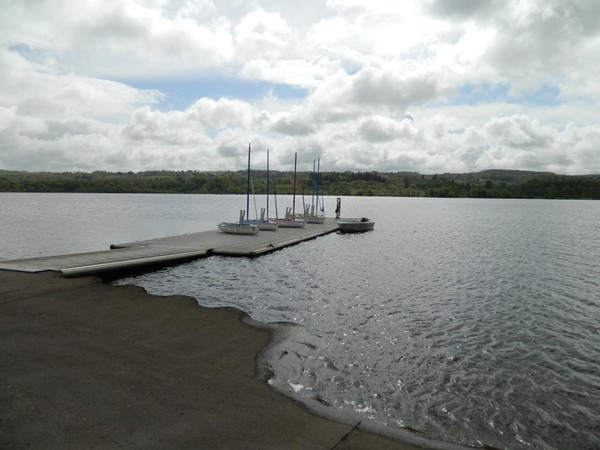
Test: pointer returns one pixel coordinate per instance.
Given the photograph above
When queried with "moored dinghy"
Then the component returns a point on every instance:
(240, 227)
(290, 220)
(355, 225)
(246, 225)
(266, 224)
(311, 217)
(315, 213)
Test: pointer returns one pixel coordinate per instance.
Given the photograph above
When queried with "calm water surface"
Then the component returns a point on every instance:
(471, 321)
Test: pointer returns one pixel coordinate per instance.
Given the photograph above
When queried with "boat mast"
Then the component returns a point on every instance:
(313, 207)
(275, 198)
(248, 188)
(254, 199)
(294, 192)
(303, 202)
(318, 186)
(267, 184)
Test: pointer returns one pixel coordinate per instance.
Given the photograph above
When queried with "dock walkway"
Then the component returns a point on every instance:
(169, 250)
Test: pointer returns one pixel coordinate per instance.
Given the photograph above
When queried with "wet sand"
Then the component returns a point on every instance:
(87, 365)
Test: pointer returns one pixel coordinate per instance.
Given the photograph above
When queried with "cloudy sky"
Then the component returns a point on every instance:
(430, 86)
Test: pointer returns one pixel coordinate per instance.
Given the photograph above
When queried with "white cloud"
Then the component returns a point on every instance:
(295, 72)
(262, 34)
(119, 38)
(64, 104)
(385, 129)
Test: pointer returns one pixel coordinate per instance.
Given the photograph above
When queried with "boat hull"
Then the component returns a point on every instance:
(236, 228)
(355, 225)
(291, 223)
(268, 226)
(263, 224)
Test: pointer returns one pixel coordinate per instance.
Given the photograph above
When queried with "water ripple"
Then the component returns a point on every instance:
(475, 322)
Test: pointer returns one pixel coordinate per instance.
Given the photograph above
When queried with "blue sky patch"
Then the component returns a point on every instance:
(181, 94)
(477, 94)
(544, 96)
(474, 94)
(33, 55)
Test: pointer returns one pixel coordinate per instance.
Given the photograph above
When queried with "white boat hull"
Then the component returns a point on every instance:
(268, 226)
(291, 223)
(315, 219)
(237, 228)
(310, 218)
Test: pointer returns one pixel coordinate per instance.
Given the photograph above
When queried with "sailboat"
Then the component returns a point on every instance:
(264, 223)
(244, 225)
(240, 227)
(290, 219)
(315, 212)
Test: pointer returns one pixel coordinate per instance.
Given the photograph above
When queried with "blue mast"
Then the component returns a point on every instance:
(313, 175)
(267, 184)
(248, 188)
(318, 186)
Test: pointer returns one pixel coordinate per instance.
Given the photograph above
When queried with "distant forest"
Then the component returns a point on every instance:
(485, 184)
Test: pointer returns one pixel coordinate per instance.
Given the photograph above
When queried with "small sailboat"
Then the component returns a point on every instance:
(264, 223)
(240, 227)
(244, 225)
(290, 219)
(315, 212)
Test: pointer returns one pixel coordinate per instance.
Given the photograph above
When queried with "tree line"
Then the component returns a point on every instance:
(485, 184)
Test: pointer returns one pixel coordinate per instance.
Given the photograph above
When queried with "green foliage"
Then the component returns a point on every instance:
(486, 184)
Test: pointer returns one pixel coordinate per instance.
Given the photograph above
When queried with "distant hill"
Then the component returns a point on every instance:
(499, 176)
(487, 183)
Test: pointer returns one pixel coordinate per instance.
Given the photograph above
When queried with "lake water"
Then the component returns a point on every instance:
(470, 321)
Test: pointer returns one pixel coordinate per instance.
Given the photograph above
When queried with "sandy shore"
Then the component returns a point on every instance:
(87, 365)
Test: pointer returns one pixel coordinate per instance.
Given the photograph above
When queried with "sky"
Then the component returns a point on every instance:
(431, 86)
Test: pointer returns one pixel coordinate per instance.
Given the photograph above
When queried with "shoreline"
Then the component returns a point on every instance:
(87, 364)
(278, 346)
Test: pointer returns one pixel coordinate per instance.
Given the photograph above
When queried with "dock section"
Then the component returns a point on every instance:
(169, 250)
